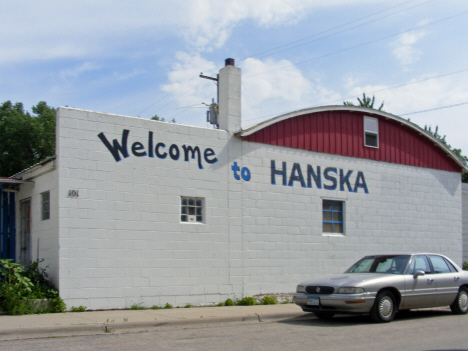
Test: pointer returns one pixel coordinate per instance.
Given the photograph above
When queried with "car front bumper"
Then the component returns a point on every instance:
(344, 303)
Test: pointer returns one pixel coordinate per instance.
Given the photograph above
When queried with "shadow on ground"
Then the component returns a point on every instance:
(344, 320)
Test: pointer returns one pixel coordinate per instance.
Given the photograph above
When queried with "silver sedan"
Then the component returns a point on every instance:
(381, 285)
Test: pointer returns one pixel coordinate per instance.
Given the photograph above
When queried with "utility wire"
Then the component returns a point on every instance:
(359, 45)
(342, 31)
(170, 92)
(406, 84)
(434, 109)
(287, 44)
(375, 91)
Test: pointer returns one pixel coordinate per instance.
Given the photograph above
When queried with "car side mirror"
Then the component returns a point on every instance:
(418, 273)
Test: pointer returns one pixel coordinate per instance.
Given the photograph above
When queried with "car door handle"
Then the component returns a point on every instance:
(456, 278)
(430, 280)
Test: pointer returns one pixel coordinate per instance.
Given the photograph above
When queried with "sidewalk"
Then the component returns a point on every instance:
(118, 321)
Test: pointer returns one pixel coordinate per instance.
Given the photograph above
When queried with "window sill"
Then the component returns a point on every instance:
(334, 234)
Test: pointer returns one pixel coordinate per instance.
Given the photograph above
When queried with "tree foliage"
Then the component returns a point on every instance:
(162, 119)
(365, 102)
(368, 102)
(25, 139)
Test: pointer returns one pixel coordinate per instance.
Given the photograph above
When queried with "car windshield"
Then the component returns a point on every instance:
(390, 264)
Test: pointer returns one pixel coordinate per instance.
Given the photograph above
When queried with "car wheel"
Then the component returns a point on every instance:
(384, 308)
(324, 315)
(460, 305)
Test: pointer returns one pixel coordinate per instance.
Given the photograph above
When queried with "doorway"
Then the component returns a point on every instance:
(25, 233)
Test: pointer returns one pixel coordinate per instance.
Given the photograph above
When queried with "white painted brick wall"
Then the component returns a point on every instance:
(44, 239)
(121, 241)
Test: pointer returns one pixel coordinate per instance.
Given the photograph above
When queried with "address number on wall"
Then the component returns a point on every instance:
(73, 193)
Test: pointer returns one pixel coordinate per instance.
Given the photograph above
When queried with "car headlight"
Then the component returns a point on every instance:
(349, 290)
(300, 289)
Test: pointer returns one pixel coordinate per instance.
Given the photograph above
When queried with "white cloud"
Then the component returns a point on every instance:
(404, 50)
(211, 21)
(427, 95)
(55, 29)
(77, 70)
(185, 86)
(270, 88)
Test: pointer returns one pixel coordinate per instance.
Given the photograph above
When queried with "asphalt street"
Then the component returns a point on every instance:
(418, 330)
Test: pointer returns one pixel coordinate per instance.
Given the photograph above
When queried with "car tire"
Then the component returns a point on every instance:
(460, 305)
(324, 315)
(384, 308)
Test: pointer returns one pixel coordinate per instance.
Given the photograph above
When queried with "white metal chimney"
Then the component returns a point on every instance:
(229, 85)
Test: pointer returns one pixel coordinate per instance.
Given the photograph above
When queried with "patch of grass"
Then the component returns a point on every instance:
(78, 309)
(465, 266)
(247, 301)
(221, 304)
(137, 306)
(155, 307)
(188, 305)
(269, 300)
(168, 305)
(229, 302)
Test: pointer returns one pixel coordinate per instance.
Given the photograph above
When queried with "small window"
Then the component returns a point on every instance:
(371, 132)
(45, 205)
(333, 216)
(191, 210)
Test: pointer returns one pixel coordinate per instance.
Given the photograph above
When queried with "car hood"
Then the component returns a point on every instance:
(350, 279)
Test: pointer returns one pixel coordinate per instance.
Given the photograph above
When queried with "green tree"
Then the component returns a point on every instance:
(161, 119)
(365, 102)
(25, 139)
(368, 102)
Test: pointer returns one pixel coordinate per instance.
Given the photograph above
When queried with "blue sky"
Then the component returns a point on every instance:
(141, 58)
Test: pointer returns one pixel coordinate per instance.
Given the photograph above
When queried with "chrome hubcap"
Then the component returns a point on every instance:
(463, 301)
(386, 307)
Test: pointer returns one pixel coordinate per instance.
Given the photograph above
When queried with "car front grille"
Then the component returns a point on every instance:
(320, 290)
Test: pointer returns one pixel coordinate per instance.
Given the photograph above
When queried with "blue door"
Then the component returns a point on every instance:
(7, 224)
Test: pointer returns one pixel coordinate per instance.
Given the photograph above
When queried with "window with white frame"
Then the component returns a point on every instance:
(333, 219)
(191, 210)
(371, 132)
(45, 205)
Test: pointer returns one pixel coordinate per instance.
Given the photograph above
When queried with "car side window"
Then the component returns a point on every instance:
(451, 266)
(419, 263)
(439, 264)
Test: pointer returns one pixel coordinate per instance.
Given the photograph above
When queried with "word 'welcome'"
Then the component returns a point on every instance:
(159, 150)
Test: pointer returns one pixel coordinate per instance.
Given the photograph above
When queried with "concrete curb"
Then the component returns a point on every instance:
(105, 328)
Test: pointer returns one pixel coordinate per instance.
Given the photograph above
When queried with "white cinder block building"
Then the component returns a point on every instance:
(134, 211)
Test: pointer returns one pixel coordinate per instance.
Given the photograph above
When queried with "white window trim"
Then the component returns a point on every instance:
(371, 131)
(203, 214)
(343, 201)
(42, 205)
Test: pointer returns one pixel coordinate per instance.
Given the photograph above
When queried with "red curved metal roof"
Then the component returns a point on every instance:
(339, 130)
